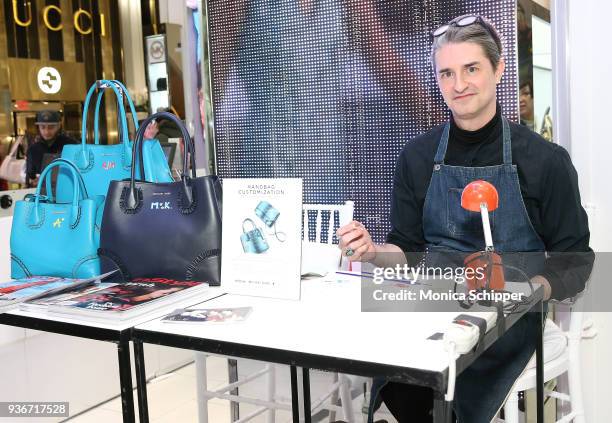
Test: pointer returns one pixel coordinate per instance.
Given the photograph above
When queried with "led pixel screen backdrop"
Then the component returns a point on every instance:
(330, 90)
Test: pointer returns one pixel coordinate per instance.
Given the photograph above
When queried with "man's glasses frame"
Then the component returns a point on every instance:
(465, 20)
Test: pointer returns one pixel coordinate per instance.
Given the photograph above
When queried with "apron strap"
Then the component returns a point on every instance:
(439, 157)
(506, 141)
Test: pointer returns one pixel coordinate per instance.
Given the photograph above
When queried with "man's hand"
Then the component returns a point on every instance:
(34, 181)
(356, 243)
(545, 284)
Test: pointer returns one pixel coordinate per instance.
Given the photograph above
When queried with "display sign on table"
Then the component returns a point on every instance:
(262, 237)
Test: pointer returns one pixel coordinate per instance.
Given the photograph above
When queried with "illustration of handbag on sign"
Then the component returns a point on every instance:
(269, 215)
(253, 241)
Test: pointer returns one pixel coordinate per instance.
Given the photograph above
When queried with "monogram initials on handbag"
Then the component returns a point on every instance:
(163, 229)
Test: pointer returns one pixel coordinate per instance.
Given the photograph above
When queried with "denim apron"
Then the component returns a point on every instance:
(482, 388)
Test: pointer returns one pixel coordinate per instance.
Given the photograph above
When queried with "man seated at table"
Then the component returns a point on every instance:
(539, 212)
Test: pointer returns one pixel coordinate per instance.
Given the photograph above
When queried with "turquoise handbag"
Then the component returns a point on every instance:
(49, 238)
(101, 164)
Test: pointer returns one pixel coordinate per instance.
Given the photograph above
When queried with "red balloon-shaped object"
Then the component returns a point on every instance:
(478, 192)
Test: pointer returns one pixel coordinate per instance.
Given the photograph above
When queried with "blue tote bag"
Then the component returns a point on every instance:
(49, 238)
(100, 164)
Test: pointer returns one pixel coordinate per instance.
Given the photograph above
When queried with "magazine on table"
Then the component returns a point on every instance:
(62, 298)
(127, 300)
(19, 290)
(208, 315)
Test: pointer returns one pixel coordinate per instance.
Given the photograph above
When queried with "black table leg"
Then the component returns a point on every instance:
(295, 404)
(540, 367)
(306, 387)
(232, 368)
(125, 379)
(141, 381)
(442, 410)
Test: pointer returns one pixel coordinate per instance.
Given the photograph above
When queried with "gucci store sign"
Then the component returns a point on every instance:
(46, 80)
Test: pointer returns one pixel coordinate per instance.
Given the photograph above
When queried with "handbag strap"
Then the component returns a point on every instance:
(79, 191)
(125, 95)
(49, 182)
(83, 159)
(15, 146)
(188, 158)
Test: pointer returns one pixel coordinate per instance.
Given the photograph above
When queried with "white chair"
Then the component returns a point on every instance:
(320, 253)
(316, 254)
(561, 355)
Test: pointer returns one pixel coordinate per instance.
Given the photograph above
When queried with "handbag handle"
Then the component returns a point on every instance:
(126, 94)
(78, 192)
(49, 181)
(137, 156)
(83, 161)
(15, 146)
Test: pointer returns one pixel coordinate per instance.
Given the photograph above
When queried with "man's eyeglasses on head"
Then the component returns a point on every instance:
(461, 21)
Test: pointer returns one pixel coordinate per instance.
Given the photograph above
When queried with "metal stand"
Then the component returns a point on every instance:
(306, 387)
(540, 366)
(125, 379)
(141, 382)
(232, 368)
(295, 405)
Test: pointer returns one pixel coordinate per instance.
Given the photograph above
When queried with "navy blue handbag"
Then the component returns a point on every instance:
(49, 238)
(163, 229)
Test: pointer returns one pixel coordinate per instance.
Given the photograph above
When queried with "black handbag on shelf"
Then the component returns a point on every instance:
(167, 229)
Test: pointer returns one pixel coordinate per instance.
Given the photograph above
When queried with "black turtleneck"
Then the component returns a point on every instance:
(465, 146)
(548, 182)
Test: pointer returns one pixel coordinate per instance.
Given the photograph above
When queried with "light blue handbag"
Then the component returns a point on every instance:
(100, 164)
(49, 238)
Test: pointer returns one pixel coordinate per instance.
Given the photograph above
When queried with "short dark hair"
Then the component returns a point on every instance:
(527, 83)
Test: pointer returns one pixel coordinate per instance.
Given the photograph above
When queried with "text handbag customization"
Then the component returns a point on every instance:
(49, 238)
(165, 229)
(13, 169)
(100, 164)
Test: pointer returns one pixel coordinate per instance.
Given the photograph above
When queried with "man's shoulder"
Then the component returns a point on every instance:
(530, 142)
(66, 139)
(38, 146)
(424, 145)
(542, 157)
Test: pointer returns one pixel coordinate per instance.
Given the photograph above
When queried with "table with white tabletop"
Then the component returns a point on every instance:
(119, 333)
(326, 329)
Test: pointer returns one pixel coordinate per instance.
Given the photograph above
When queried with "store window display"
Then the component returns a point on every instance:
(50, 140)
(539, 213)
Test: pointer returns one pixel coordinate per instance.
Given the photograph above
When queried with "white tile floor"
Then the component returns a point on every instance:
(172, 397)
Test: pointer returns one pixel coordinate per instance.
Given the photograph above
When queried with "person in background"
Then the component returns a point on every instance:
(526, 106)
(50, 140)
